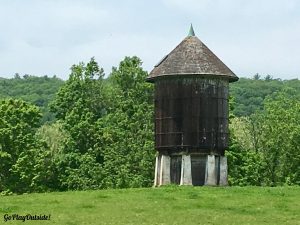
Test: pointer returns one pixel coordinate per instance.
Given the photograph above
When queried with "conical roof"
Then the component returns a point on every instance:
(191, 57)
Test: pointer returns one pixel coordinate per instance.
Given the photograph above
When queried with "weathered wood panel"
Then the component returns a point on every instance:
(191, 113)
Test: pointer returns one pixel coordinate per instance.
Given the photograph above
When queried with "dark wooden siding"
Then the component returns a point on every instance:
(191, 113)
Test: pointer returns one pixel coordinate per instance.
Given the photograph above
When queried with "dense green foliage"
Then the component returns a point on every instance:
(265, 146)
(126, 132)
(18, 121)
(103, 133)
(36, 90)
(107, 127)
(249, 94)
(165, 205)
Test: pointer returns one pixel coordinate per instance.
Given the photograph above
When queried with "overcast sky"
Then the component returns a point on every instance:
(49, 36)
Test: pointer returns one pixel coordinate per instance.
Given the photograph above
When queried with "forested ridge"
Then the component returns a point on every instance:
(36, 90)
(102, 132)
(248, 93)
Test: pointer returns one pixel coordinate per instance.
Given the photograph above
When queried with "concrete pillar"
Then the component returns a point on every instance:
(164, 176)
(223, 171)
(210, 173)
(186, 170)
(157, 170)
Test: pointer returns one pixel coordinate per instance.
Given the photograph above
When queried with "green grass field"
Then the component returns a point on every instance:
(167, 205)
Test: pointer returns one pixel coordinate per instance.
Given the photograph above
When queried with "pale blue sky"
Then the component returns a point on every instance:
(47, 37)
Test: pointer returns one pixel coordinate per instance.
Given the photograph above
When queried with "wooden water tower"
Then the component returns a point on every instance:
(191, 115)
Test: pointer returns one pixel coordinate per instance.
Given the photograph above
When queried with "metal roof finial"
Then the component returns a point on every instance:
(191, 31)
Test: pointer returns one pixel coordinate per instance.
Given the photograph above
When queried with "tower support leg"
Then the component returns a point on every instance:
(223, 171)
(210, 173)
(164, 176)
(157, 170)
(186, 170)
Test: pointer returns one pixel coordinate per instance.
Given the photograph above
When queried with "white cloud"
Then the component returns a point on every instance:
(47, 37)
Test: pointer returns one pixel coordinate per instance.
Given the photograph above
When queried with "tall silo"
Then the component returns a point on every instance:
(191, 115)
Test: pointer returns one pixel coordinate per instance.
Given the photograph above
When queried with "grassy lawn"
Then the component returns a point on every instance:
(167, 205)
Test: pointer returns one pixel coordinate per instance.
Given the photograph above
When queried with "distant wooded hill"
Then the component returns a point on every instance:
(248, 93)
(37, 90)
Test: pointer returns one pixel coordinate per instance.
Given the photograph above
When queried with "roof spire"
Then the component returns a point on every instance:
(191, 31)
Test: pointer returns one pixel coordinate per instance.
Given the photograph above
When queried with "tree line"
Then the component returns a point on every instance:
(39, 91)
(102, 134)
(264, 147)
(249, 93)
